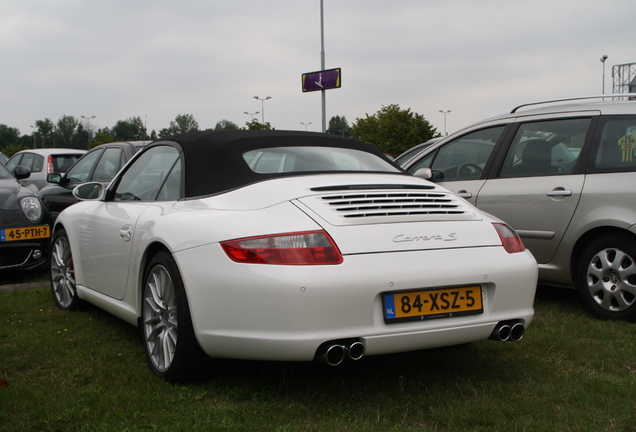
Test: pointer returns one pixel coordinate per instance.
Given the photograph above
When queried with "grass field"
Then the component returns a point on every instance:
(86, 371)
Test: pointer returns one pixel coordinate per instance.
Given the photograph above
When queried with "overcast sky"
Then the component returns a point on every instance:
(156, 59)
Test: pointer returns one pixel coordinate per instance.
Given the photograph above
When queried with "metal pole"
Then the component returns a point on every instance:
(603, 61)
(445, 112)
(322, 67)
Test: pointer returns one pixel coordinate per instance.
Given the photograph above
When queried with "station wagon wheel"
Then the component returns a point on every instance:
(606, 277)
(63, 272)
(168, 336)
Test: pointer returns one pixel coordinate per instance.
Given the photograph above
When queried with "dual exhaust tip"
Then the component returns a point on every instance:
(508, 331)
(333, 353)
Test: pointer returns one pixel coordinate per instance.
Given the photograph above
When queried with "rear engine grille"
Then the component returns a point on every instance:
(403, 203)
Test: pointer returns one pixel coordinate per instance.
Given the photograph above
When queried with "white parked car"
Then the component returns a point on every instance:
(42, 162)
(291, 246)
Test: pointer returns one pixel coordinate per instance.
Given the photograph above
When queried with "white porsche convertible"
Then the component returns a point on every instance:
(291, 246)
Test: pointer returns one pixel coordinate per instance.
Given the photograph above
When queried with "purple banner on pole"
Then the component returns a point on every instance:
(321, 80)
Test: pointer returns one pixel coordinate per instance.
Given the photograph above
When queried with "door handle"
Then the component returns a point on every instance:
(559, 192)
(126, 232)
(464, 194)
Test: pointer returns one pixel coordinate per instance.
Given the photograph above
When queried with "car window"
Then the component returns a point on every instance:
(36, 161)
(617, 146)
(108, 165)
(81, 171)
(145, 178)
(61, 163)
(4, 172)
(278, 160)
(14, 161)
(463, 158)
(545, 148)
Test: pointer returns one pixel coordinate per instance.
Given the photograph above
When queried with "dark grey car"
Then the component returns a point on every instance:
(562, 174)
(98, 165)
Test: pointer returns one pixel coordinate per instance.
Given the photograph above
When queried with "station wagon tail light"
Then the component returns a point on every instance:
(303, 248)
(49, 165)
(509, 238)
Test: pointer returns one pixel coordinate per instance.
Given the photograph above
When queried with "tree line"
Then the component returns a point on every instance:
(391, 129)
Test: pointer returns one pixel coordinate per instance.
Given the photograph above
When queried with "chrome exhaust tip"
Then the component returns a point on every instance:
(516, 332)
(500, 333)
(333, 355)
(355, 350)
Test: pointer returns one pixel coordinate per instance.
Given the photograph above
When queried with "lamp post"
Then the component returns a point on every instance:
(252, 114)
(445, 112)
(262, 106)
(603, 61)
(88, 127)
(33, 127)
(305, 124)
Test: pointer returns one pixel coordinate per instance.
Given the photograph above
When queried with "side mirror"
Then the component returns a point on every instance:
(89, 191)
(21, 172)
(425, 173)
(54, 178)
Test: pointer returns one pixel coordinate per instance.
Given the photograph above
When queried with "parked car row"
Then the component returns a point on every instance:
(40, 182)
(292, 246)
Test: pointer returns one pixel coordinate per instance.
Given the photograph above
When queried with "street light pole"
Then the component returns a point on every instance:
(305, 124)
(262, 106)
(445, 112)
(88, 127)
(252, 114)
(603, 61)
(33, 136)
(322, 67)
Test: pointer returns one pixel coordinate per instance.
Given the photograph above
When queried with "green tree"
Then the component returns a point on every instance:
(131, 129)
(12, 149)
(64, 131)
(339, 126)
(44, 133)
(226, 125)
(393, 130)
(101, 138)
(256, 125)
(182, 123)
(8, 136)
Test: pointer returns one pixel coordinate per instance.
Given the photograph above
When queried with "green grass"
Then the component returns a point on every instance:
(86, 371)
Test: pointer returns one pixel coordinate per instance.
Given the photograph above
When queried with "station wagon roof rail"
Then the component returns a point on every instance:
(613, 96)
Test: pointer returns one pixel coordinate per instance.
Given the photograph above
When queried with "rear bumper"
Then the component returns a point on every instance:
(266, 312)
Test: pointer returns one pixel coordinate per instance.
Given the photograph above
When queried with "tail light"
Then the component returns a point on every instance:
(509, 238)
(303, 248)
(49, 164)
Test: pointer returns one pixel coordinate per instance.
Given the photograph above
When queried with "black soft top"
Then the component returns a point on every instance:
(214, 161)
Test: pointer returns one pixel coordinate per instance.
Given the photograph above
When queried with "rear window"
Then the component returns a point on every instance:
(279, 160)
(61, 163)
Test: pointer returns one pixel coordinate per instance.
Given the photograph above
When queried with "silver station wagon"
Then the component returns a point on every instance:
(562, 173)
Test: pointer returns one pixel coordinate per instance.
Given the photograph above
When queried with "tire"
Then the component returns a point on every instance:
(172, 350)
(606, 277)
(62, 272)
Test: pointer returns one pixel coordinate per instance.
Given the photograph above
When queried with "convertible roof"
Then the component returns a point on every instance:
(214, 159)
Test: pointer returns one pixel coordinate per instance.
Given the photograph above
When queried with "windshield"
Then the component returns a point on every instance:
(278, 160)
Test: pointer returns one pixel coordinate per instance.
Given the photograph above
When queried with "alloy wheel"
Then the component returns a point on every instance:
(160, 318)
